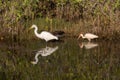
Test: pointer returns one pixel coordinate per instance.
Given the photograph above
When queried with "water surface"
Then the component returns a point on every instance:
(66, 60)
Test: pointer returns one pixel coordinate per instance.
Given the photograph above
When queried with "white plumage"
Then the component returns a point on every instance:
(47, 36)
(44, 52)
(88, 36)
(88, 45)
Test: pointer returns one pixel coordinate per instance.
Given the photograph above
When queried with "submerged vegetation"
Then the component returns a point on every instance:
(73, 16)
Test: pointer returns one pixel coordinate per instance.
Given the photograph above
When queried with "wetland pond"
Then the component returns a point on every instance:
(66, 60)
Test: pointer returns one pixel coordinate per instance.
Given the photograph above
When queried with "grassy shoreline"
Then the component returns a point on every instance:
(71, 29)
(100, 17)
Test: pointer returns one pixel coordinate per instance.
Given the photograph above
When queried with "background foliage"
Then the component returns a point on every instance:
(100, 15)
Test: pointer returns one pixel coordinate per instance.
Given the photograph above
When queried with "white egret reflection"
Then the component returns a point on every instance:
(44, 52)
(88, 45)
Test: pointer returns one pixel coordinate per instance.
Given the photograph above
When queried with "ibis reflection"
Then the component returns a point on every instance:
(88, 45)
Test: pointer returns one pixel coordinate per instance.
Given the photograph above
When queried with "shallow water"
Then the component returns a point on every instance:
(66, 60)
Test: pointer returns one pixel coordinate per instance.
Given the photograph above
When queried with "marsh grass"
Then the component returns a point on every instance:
(73, 17)
(21, 31)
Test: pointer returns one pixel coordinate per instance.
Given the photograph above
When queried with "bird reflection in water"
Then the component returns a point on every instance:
(88, 45)
(44, 52)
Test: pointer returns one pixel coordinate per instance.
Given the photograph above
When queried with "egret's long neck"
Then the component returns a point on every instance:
(36, 58)
(35, 31)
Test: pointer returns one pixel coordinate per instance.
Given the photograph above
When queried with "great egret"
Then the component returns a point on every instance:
(47, 36)
(89, 36)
